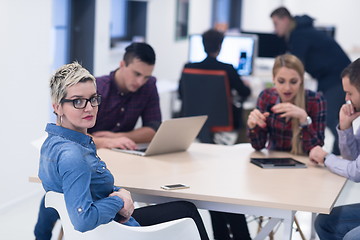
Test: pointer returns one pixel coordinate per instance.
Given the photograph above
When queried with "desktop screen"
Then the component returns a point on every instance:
(328, 30)
(238, 50)
(269, 45)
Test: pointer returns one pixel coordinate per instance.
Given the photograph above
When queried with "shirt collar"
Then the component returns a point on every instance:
(69, 134)
(118, 89)
(275, 93)
(278, 100)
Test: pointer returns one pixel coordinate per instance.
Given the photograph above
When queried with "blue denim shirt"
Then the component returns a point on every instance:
(69, 164)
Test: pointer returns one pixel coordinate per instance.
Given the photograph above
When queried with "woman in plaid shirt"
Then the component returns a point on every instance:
(287, 117)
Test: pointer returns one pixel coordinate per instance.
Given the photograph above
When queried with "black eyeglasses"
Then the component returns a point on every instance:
(80, 103)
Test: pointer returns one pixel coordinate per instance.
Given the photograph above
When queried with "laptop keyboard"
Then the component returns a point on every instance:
(141, 149)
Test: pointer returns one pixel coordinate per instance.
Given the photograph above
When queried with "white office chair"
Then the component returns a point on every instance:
(178, 229)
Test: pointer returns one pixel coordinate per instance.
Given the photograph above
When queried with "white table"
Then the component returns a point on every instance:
(221, 178)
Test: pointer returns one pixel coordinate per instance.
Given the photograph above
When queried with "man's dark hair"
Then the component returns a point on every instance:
(281, 12)
(212, 40)
(143, 51)
(353, 73)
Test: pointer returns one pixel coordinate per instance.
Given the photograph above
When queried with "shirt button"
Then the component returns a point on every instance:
(121, 94)
(118, 124)
(103, 167)
(79, 210)
(122, 109)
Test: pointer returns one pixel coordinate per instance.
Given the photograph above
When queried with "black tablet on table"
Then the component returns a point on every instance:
(277, 163)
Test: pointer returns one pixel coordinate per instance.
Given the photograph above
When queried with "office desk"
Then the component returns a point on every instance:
(222, 178)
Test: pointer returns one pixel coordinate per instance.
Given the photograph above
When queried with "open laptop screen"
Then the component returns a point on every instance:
(173, 135)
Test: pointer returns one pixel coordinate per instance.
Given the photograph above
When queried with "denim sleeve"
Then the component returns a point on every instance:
(85, 214)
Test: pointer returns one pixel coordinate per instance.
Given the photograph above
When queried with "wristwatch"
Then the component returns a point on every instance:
(307, 123)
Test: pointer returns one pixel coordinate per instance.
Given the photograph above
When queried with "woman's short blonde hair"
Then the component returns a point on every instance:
(65, 77)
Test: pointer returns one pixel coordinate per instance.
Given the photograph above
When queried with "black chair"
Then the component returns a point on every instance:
(207, 92)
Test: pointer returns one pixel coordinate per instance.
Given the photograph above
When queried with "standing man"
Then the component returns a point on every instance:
(344, 221)
(127, 94)
(322, 57)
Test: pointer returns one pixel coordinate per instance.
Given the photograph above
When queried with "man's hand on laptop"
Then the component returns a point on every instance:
(123, 143)
(120, 142)
(108, 134)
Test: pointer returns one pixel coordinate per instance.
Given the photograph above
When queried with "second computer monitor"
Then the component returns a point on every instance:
(238, 50)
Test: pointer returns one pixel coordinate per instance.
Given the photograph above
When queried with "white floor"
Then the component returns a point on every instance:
(17, 222)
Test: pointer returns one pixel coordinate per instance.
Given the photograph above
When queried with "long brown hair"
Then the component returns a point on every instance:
(292, 62)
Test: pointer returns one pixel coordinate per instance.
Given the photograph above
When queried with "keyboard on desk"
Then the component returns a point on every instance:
(141, 149)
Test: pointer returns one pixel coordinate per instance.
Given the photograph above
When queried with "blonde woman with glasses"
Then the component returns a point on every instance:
(69, 163)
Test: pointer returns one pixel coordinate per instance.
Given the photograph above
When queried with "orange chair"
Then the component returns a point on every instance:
(207, 92)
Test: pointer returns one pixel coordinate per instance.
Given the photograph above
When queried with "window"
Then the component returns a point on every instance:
(227, 14)
(60, 24)
(128, 21)
(182, 19)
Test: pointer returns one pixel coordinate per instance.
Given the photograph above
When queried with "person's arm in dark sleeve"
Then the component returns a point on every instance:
(314, 134)
(259, 136)
(151, 115)
(237, 84)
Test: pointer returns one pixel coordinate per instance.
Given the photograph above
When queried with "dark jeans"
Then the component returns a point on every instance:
(146, 216)
(335, 98)
(165, 212)
(342, 223)
(225, 224)
(47, 218)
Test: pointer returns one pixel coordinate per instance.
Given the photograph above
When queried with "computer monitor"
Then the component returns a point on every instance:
(269, 45)
(328, 30)
(238, 50)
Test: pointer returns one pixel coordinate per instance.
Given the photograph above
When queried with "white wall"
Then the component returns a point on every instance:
(25, 60)
(105, 59)
(255, 15)
(172, 54)
(326, 12)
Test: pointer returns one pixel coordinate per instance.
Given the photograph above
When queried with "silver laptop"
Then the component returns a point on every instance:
(173, 135)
